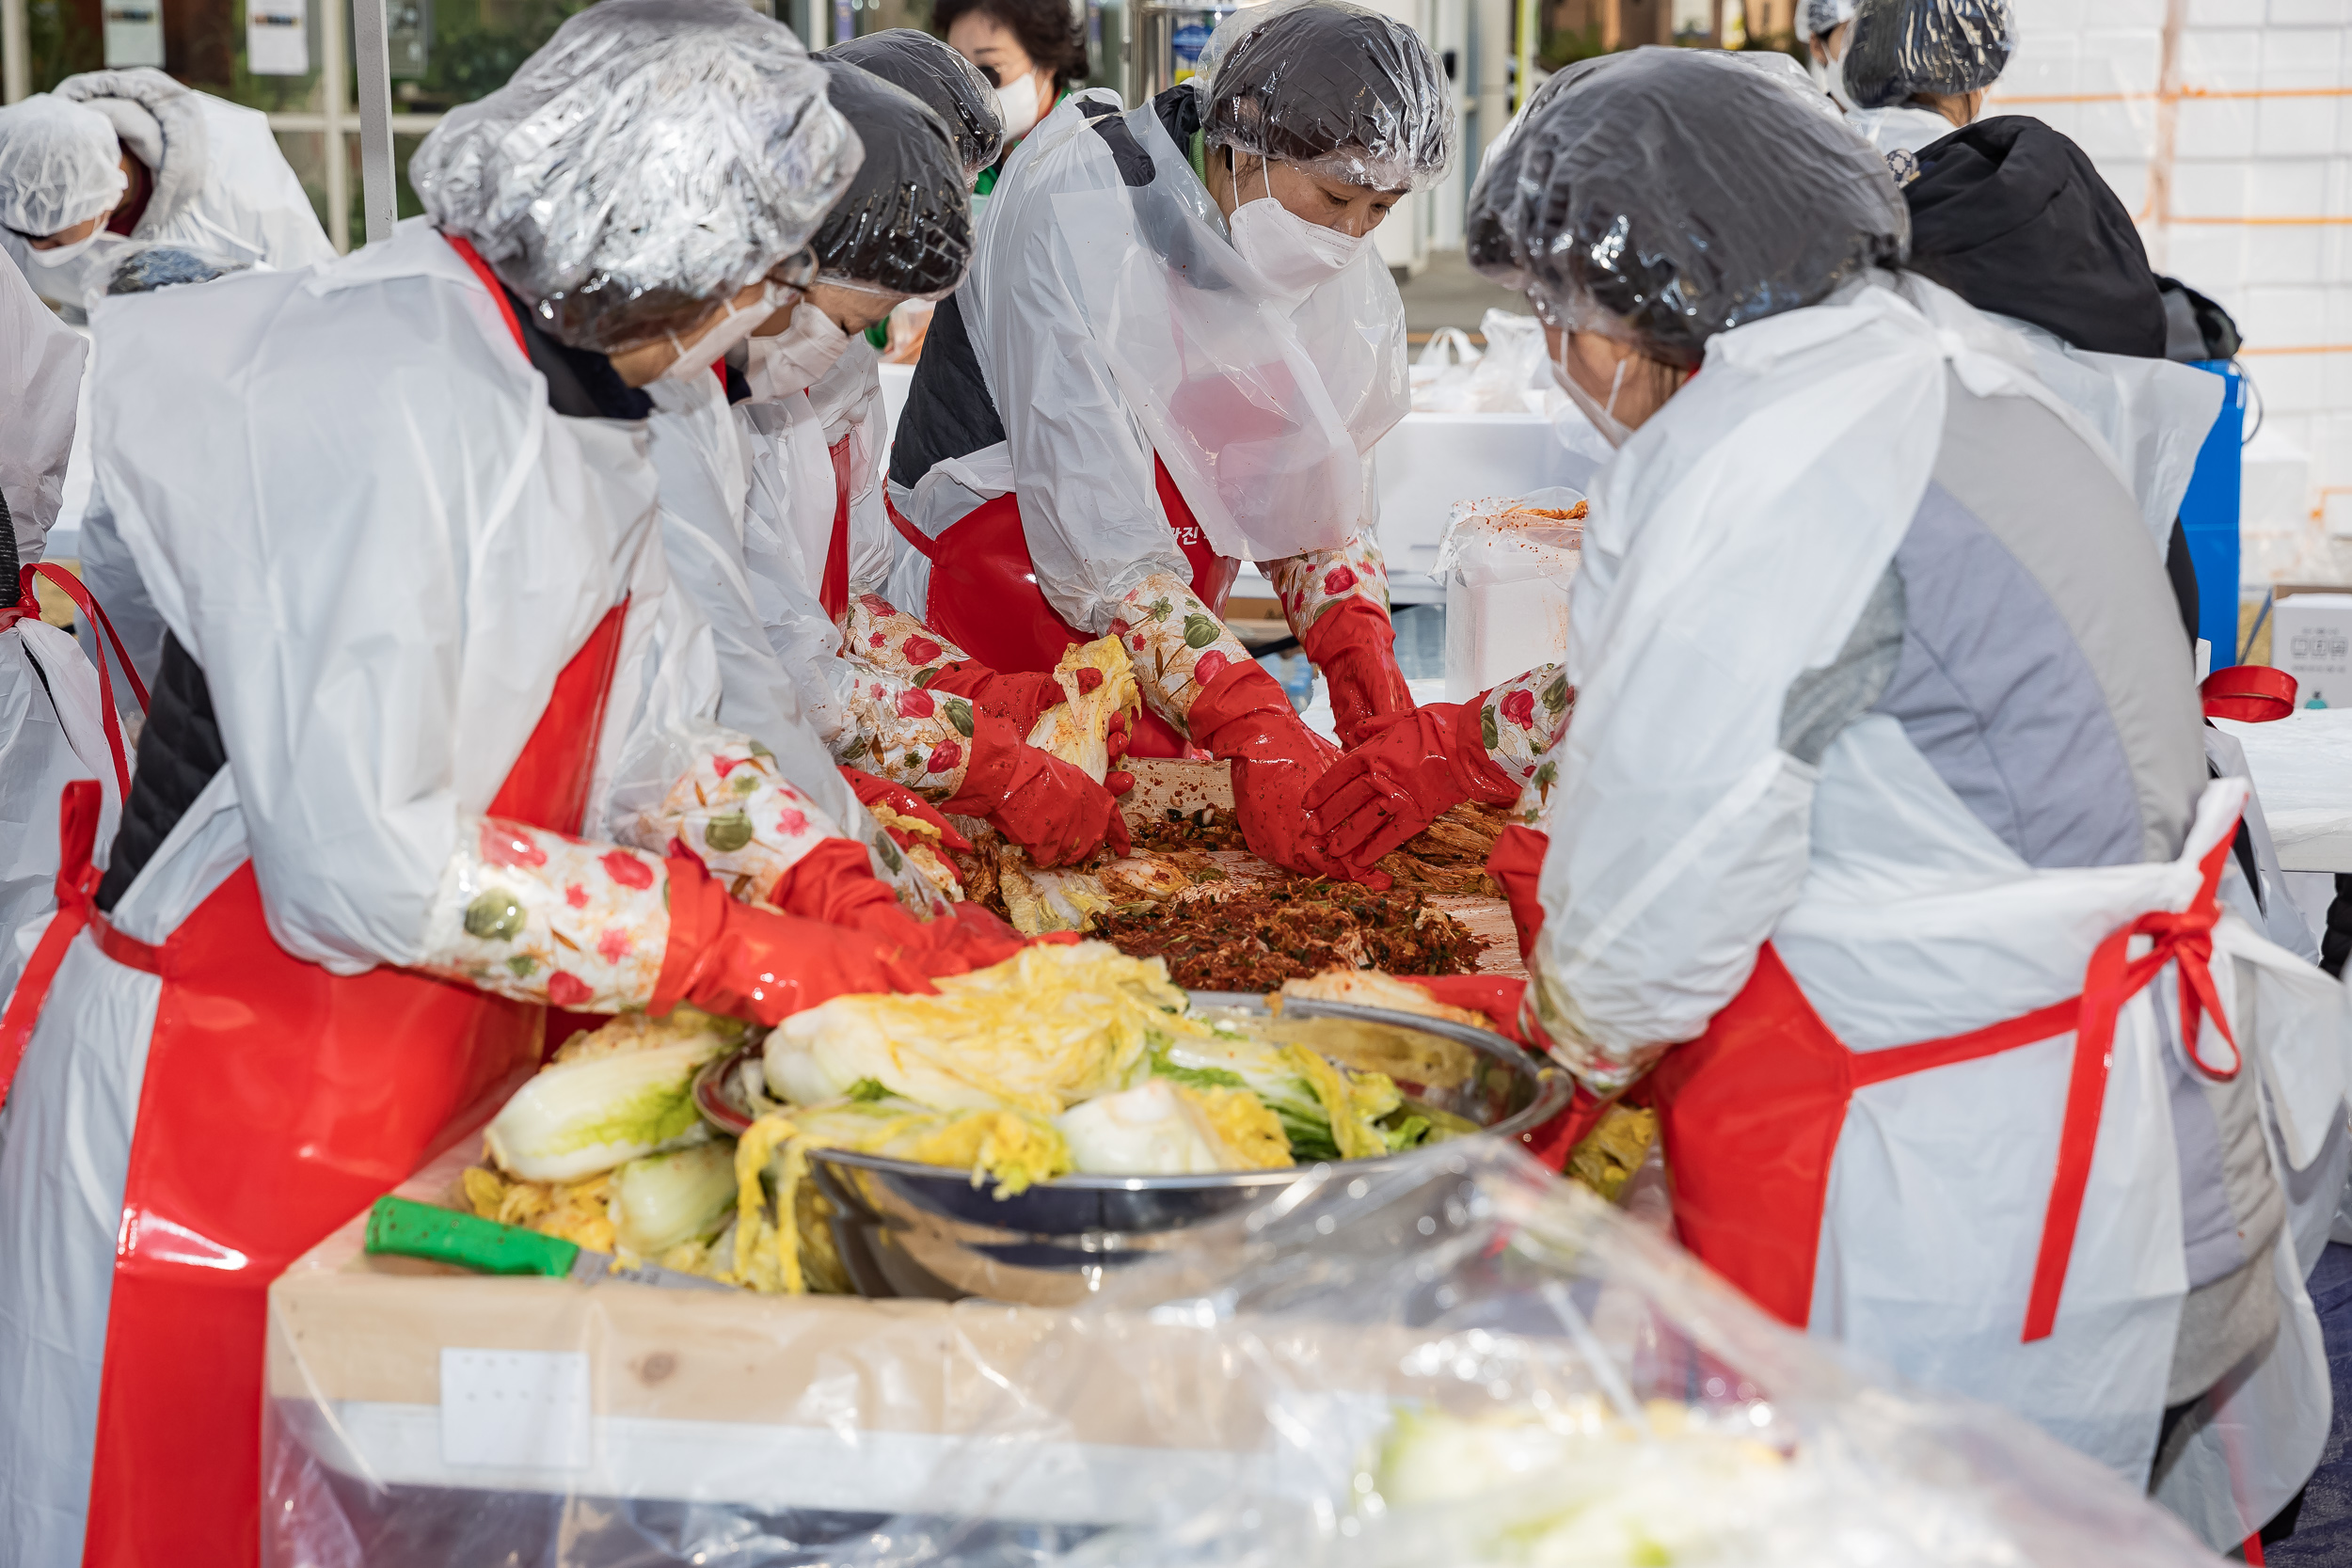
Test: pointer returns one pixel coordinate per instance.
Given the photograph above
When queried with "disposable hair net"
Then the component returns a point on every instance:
(1610, 203)
(1335, 88)
(951, 86)
(904, 224)
(161, 266)
(1817, 17)
(59, 165)
(1901, 48)
(653, 156)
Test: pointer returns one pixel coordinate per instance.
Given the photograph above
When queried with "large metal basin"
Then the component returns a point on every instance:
(906, 1229)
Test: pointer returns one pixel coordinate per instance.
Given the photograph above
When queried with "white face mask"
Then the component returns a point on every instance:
(1835, 85)
(798, 357)
(59, 255)
(1291, 253)
(1603, 416)
(712, 344)
(1020, 106)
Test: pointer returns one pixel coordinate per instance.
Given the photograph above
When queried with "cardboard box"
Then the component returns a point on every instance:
(2312, 640)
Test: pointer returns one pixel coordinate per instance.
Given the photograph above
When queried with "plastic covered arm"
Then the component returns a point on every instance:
(1520, 721)
(735, 812)
(1081, 464)
(900, 732)
(876, 633)
(1337, 604)
(44, 360)
(540, 917)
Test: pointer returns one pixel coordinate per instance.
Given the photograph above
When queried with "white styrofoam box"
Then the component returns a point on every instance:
(2211, 187)
(2274, 481)
(2115, 131)
(2222, 59)
(2122, 59)
(2312, 640)
(2314, 13)
(2285, 256)
(2299, 57)
(2225, 13)
(2297, 127)
(2288, 383)
(2287, 188)
(2216, 127)
(2209, 257)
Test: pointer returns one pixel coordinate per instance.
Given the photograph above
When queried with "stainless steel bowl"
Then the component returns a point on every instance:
(900, 1229)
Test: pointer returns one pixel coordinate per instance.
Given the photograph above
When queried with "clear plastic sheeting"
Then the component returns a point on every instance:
(1901, 48)
(654, 156)
(904, 224)
(1446, 1360)
(59, 165)
(1817, 17)
(943, 79)
(1335, 88)
(1603, 201)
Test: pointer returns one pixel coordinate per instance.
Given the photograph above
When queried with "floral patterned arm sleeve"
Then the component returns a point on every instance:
(894, 643)
(900, 732)
(1310, 586)
(1522, 719)
(1179, 646)
(542, 917)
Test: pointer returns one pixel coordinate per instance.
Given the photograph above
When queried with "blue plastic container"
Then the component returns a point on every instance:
(2209, 517)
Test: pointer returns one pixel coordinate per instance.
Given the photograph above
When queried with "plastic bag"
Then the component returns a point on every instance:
(1506, 587)
(1509, 377)
(1449, 1359)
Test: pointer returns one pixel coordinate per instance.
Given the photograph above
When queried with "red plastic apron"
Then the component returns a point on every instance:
(1751, 1111)
(985, 599)
(278, 1101)
(833, 590)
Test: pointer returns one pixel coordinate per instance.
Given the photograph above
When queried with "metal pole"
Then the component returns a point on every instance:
(16, 63)
(333, 111)
(379, 190)
(1524, 82)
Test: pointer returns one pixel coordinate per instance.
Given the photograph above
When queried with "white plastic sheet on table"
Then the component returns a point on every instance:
(2302, 764)
(1228, 1405)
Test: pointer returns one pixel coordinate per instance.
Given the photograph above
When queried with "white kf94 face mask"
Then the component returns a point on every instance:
(1020, 106)
(1288, 251)
(59, 255)
(712, 344)
(798, 357)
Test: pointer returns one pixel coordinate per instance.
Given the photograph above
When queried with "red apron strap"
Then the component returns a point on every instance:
(926, 547)
(472, 257)
(833, 589)
(71, 586)
(78, 809)
(2183, 939)
(547, 786)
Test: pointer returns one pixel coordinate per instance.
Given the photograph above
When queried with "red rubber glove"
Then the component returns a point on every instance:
(1497, 996)
(740, 961)
(835, 884)
(1516, 861)
(1353, 645)
(1047, 806)
(907, 804)
(1018, 696)
(1242, 717)
(1411, 769)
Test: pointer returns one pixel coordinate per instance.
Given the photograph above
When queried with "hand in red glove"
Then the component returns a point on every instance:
(1042, 803)
(905, 802)
(1016, 696)
(1412, 769)
(740, 961)
(1243, 717)
(1516, 861)
(834, 882)
(1353, 645)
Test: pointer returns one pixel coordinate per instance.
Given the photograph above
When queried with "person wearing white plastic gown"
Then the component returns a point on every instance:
(906, 707)
(430, 754)
(105, 171)
(110, 159)
(1882, 844)
(1907, 73)
(1176, 349)
(53, 723)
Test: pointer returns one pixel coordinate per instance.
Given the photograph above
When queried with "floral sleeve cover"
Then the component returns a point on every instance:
(740, 816)
(542, 917)
(1313, 584)
(876, 633)
(902, 733)
(1521, 721)
(1178, 645)
(1533, 807)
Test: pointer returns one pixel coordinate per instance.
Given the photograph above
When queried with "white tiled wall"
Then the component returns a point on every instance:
(2260, 208)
